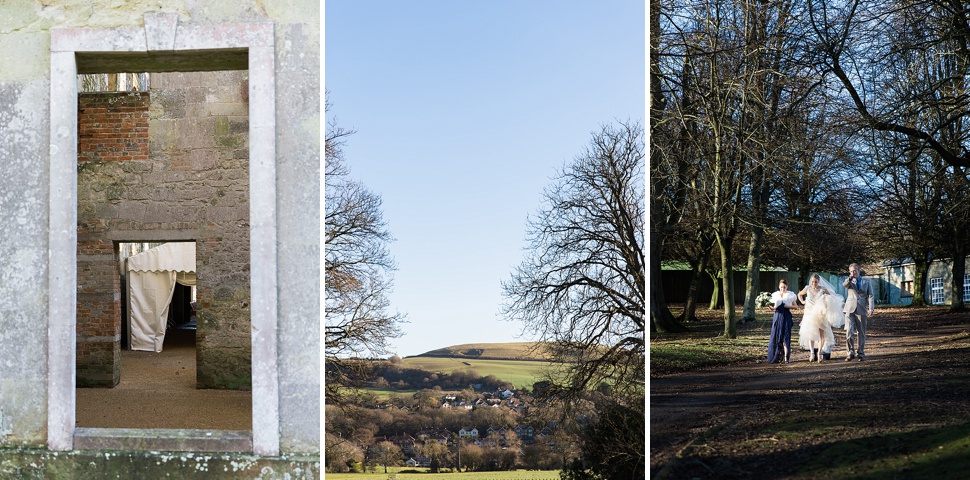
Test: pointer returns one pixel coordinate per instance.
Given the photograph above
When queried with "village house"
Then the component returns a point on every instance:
(418, 462)
(432, 434)
(524, 431)
(489, 442)
(468, 432)
(405, 442)
(899, 274)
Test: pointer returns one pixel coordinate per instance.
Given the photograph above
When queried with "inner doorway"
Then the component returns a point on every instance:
(158, 294)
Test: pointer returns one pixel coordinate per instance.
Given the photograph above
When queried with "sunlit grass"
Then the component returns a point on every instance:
(705, 344)
(520, 373)
(940, 452)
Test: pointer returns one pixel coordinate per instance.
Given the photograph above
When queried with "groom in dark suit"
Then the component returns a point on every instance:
(858, 306)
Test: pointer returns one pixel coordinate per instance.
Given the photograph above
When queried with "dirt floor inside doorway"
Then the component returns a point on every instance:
(157, 390)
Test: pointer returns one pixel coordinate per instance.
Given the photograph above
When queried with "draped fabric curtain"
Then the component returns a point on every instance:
(151, 294)
(152, 275)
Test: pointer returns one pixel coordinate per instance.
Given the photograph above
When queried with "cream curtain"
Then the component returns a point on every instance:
(150, 296)
(151, 282)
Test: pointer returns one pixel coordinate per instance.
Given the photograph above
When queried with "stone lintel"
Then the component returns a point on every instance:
(132, 236)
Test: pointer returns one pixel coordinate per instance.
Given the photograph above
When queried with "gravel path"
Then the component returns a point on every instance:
(157, 390)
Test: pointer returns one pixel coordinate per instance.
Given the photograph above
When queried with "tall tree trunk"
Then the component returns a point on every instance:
(959, 270)
(753, 283)
(690, 305)
(717, 301)
(730, 328)
(661, 320)
(921, 266)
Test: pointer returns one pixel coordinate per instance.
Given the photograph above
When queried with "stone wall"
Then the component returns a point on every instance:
(200, 133)
(180, 175)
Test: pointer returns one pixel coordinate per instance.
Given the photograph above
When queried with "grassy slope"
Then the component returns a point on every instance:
(517, 362)
(520, 373)
(495, 351)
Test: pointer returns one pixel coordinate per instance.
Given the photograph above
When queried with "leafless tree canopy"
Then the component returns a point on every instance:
(582, 283)
(902, 67)
(357, 273)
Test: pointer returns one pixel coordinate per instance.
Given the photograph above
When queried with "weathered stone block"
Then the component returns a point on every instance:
(26, 463)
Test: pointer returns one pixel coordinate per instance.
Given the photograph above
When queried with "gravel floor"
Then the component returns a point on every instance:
(157, 390)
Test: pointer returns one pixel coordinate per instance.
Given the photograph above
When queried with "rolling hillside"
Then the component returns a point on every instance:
(518, 363)
(523, 351)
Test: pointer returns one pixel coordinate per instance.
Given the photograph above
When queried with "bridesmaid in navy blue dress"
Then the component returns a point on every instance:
(779, 343)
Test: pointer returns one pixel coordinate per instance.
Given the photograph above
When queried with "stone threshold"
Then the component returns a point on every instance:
(164, 440)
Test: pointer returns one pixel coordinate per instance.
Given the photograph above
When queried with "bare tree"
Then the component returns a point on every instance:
(905, 212)
(817, 195)
(582, 286)
(903, 66)
(339, 453)
(436, 452)
(668, 181)
(386, 453)
(357, 274)
(705, 64)
(603, 448)
(879, 42)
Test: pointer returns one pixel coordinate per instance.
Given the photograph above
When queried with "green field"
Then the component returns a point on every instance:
(511, 475)
(520, 373)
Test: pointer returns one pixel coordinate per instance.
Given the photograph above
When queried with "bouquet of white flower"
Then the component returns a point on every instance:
(762, 300)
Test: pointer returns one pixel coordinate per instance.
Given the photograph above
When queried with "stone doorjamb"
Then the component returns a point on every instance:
(162, 37)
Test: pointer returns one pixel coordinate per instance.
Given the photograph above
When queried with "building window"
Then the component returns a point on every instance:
(936, 291)
(906, 289)
(966, 288)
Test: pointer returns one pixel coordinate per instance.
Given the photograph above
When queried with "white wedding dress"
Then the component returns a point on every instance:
(823, 310)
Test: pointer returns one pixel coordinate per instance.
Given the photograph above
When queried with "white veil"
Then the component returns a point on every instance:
(834, 314)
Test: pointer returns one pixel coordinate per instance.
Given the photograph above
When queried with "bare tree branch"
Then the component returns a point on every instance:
(357, 275)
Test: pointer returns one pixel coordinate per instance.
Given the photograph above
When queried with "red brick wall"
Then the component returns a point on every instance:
(111, 127)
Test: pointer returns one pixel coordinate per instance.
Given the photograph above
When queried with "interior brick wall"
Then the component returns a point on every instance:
(112, 127)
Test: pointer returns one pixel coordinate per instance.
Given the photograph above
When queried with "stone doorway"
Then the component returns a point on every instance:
(162, 46)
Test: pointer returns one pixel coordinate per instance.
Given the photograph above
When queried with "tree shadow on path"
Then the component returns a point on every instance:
(902, 413)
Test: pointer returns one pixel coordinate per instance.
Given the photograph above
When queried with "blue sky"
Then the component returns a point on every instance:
(464, 111)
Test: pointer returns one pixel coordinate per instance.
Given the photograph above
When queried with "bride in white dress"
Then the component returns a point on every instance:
(823, 310)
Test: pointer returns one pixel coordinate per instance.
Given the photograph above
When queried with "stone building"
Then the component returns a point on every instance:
(223, 151)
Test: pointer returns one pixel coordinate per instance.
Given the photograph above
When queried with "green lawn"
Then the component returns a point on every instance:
(391, 475)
